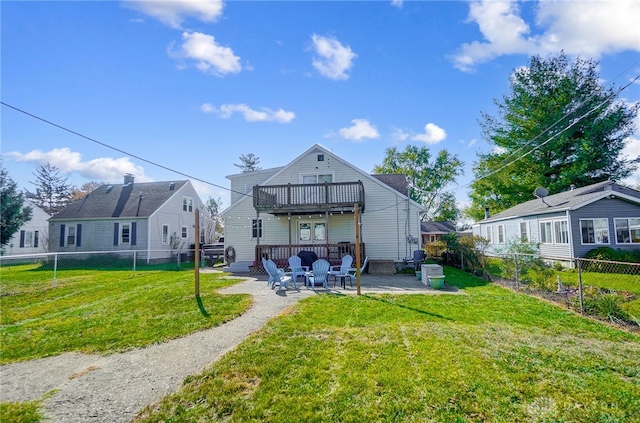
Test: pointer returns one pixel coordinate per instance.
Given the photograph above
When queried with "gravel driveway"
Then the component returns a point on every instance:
(113, 388)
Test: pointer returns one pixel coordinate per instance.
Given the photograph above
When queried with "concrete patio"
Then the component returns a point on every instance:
(372, 284)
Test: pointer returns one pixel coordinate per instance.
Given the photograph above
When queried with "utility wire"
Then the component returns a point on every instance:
(566, 115)
(121, 151)
(550, 138)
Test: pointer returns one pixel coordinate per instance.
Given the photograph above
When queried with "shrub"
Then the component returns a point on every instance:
(609, 254)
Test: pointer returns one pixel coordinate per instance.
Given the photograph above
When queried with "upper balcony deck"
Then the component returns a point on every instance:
(308, 198)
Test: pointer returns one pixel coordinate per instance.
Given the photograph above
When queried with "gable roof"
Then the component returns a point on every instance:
(397, 181)
(121, 200)
(433, 227)
(317, 148)
(568, 200)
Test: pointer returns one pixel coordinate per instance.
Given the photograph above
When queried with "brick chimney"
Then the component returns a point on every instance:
(128, 178)
(486, 212)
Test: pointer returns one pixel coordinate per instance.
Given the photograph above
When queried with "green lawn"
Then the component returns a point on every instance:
(490, 355)
(102, 311)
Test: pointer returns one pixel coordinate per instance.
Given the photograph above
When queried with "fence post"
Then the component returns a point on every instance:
(55, 269)
(580, 293)
(517, 271)
(134, 261)
(462, 259)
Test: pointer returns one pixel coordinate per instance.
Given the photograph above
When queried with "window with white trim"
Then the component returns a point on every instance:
(627, 230)
(545, 233)
(71, 235)
(488, 233)
(125, 233)
(524, 231)
(187, 204)
(312, 231)
(501, 236)
(165, 234)
(561, 231)
(256, 228)
(28, 239)
(594, 231)
(184, 232)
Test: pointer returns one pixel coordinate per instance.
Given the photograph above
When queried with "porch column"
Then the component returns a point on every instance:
(289, 219)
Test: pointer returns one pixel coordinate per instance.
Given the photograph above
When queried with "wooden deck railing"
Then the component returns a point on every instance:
(331, 252)
(305, 198)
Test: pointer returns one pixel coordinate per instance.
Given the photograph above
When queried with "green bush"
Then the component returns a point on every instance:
(610, 254)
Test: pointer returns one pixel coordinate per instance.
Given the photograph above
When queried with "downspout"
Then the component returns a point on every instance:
(149, 240)
(571, 241)
(398, 225)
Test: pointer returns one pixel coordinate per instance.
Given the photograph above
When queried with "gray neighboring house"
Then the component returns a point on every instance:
(432, 231)
(570, 223)
(33, 236)
(129, 216)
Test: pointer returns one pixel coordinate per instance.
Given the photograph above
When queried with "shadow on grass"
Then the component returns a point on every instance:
(462, 280)
(201, 307)
(417, 310)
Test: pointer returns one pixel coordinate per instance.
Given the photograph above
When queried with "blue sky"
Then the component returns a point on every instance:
(192, 85)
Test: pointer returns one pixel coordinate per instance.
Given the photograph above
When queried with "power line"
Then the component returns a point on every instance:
(606, 100)
(120, 150)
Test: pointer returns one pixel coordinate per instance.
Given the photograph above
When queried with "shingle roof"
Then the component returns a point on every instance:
(567, 200)
(433, 227)
(396, 181)
(130, 200)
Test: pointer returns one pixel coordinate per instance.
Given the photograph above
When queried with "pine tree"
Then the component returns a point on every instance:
(13, 211)
(249, 163)
(52, 191)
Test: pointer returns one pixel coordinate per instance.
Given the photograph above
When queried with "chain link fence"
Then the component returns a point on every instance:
(603, 289)
(52, 263)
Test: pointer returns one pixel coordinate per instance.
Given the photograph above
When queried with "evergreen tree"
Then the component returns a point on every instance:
(52, 191)
(13, 211)
(558, 126)
(248, 163)
(428, 179)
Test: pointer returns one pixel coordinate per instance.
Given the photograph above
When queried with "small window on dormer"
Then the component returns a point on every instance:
(321, 157)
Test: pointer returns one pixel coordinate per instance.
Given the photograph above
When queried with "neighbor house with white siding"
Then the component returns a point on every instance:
(126, 217)
(33, 236)
(312, 204)
(571, 223)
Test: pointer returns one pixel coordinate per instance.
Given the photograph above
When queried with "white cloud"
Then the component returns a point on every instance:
(250, 115)
(397, 3)
(333, 60)
(210, 57)
(433, 134)
(398, 135)
(104, 169)
(472, 143)
(174, 12)
(587, 28)
(361, 129)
